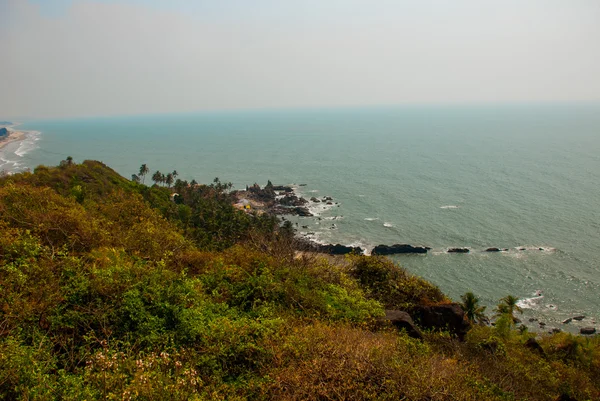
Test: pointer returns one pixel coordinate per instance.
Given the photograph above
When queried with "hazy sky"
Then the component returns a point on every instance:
(108, 57)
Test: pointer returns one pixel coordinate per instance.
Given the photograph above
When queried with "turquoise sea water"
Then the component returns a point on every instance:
(477, 177)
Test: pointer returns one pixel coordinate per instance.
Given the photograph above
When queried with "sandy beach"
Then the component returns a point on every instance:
(13, 136)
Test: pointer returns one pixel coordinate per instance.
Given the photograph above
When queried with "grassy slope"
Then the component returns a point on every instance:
(110, 291)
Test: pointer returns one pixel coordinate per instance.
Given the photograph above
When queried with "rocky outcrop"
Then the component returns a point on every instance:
(496, 250)
(445, 317)
(587, 330)
(579, 317)
(283, 188)
(301, 211)
(294, 211)
(4, 132)
(458, 250)
(398, 249)
(339, 249)
(313, 199)
(402, 321)
(533, 345)
(331, 249)
(292, 200)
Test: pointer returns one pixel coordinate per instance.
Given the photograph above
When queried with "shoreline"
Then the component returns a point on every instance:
(13, 136)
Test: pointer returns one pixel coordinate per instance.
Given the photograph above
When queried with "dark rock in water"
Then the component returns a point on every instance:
(458, 250)
(522, 249)
(304, 226)
(555, 330)
(578, 318)
(292, 200)
(337, 249)
(315, 200)
(397, 249)
(402, 321)
(443, 317)
(587, 330)
(302, 211)
(567, 321)
(329, 203)
(533, 319)
(283, 188)
(493, 250)
(542, 324)
(302, 185)
(533, 345)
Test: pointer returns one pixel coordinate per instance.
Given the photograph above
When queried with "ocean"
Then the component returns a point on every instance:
(521, 177)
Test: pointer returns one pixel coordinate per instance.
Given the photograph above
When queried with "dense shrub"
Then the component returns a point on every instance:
(109, 290)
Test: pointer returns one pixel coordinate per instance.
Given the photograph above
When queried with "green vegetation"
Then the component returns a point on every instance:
(111, 290)
(474, 312)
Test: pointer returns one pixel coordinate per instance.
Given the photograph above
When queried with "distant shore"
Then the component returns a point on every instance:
(13, 135)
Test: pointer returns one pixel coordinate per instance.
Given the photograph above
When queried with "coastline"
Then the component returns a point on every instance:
(22, 140)
(13, 136)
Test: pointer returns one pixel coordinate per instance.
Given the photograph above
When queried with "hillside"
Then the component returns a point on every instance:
(111, 290)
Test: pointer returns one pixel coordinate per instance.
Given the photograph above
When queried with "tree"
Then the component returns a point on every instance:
(135, 178)
(143, 171)
(157, 177)
(473, 311)
(169, 179)
(508, 306)
(67, 162)
(175, 173)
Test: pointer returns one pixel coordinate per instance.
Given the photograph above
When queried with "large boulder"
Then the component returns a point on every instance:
(458, 250)
(587, 330)
(331, 249)
(533, 345)
(493, 250)
(402, 321)
(302, 211)
(398, 249)
(339, 249)
(444, 317)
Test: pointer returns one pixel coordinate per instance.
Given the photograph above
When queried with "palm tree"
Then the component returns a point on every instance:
(169, 179)
(135, 178)
(143, 171)
(508, 306)
(175, 173)
(157, 177)
(473, 311)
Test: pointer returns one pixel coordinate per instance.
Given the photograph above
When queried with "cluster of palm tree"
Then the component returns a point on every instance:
(475, 313)
(157, 177)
